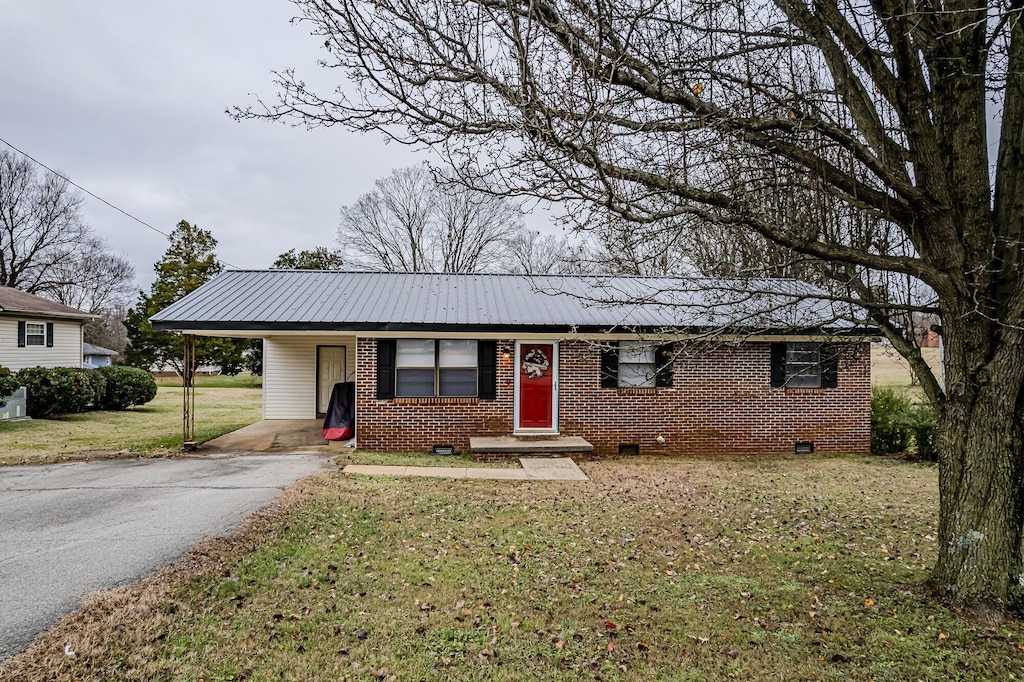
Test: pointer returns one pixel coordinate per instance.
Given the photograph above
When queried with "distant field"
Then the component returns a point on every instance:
(243, 380)
(888, 368)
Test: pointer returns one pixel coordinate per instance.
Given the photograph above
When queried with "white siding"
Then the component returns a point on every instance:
(66, 351)
(289, 373)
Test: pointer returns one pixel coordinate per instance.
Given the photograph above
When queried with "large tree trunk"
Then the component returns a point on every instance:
(981, 461)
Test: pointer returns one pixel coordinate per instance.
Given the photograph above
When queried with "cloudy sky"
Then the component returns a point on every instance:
(127, 98)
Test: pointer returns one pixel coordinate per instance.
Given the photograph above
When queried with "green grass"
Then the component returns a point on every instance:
(717, 569)
(146, 430)
(243, 380)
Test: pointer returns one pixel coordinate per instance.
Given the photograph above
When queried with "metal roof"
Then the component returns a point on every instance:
(254, 300)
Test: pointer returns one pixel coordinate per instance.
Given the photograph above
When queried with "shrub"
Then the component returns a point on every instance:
(8, 382)
(60, 390)
(127, 386)
(923, 424)
(890, 428)
(99, 388)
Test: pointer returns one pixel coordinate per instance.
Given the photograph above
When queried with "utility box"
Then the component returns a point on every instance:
(14, 406)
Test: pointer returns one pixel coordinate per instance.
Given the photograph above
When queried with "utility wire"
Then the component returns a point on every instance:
(98, 198)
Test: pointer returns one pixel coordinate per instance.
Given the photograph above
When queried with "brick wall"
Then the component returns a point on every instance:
(415, 424)
(721, 403)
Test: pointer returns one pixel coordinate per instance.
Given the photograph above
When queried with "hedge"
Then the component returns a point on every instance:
(8, 382)
(57, 390)
(126, 386)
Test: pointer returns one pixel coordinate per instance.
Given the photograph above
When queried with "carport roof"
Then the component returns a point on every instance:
(308, 300)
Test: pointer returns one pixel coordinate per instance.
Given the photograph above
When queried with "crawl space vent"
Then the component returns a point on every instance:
(629, 449)
(804, 447)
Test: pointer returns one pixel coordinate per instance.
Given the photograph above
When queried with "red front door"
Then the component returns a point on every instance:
(536, 385)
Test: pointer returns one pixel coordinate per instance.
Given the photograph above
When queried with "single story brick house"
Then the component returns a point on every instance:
(631, 364)
(38, 332)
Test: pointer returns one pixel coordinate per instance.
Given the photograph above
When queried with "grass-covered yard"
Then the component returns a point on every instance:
(705, 569)
(146, 430)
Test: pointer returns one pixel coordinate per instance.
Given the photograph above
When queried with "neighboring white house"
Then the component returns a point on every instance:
(97, 356)
(36, 332)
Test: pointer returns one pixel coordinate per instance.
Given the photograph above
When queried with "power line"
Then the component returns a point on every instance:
(97, 197)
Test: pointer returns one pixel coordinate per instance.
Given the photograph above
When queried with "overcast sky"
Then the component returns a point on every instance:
(127, 98)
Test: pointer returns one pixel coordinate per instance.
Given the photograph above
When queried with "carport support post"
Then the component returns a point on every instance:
(188, 374)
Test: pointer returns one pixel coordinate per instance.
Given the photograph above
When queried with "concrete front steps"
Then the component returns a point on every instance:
(501, 448)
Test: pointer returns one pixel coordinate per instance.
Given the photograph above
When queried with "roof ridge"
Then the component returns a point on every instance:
(694, 278)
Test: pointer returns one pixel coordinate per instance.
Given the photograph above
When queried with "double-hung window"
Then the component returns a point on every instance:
(35, 334)
(637, 366)
(804, 364)
(435, 367)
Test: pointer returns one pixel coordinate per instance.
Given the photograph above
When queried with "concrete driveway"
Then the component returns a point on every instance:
(70, 529)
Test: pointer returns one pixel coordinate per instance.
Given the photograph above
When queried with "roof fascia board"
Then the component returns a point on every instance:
(10, 312)
(258, 330)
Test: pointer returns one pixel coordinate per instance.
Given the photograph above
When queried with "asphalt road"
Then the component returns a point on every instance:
(70, 529)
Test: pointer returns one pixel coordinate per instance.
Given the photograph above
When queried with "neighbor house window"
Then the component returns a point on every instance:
(435, 367)
(636, 364)
(35, 334)
(804, 364)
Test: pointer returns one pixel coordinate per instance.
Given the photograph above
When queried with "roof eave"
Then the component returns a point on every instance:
(249, 327)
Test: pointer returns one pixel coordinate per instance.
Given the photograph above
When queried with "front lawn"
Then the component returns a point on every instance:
(710, 569)
(147, 430)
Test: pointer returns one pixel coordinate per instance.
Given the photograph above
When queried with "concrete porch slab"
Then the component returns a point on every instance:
(510, 445)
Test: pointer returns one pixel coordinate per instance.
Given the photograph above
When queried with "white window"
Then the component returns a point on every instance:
(803, 365)
(35, 334)
(456, 373)
(636, 364)
(428, 368)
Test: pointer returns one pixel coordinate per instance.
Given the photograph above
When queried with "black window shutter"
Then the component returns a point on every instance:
(610, 365)
(487, 369)
(829, 365)
(385, 369)
(664, 356)
(49, 334)
(21, 334)
(778, 365)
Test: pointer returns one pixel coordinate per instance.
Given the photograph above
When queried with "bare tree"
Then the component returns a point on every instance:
(387, 228)
(879, 111)
(531, 252)
(108, 330)
(471, 229)
(40, 226)
(412, 222)
(96, 280)
(47, 249)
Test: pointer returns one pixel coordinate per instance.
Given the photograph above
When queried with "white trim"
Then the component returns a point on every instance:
(516, 429)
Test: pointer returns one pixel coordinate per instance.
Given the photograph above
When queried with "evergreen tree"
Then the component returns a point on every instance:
(320, 258)
(188, 263)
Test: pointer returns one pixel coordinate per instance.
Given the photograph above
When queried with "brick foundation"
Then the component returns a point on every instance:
(720, 403)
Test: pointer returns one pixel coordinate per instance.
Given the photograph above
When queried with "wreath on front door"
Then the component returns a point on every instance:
(535, 363)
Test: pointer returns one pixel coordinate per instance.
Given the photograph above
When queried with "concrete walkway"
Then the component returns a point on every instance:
(534, 469)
